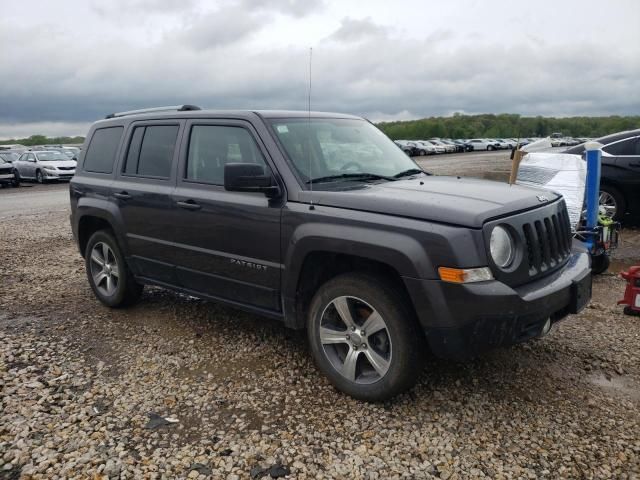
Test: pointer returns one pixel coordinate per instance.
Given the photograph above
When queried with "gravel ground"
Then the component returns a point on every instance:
(177, 387)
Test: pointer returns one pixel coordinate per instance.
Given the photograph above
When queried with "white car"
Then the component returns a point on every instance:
(45, 165)
(505, 143)
(483, 144)
(447, 148)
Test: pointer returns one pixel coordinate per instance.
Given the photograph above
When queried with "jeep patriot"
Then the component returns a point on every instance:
(321, 221)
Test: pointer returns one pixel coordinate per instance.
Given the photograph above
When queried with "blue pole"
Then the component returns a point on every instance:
(592, 193)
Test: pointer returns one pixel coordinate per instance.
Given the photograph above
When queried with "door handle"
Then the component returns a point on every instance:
(189, 205)
(122, 195)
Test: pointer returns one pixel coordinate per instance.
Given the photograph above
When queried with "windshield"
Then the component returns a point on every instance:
(10, 156)
(324, 150)
(50, 156)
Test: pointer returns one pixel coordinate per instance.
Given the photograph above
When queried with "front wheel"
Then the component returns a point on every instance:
(108, 274)
(39, 177)
(490, 147)
(364, 337)
(600, 263)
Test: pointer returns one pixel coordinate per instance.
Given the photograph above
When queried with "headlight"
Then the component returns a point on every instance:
(501, 247)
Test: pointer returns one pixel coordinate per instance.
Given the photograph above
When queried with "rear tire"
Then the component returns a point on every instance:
(617, 197)
(109, 276)
(374, 365)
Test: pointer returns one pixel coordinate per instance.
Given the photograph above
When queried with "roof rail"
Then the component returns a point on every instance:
(178, 108)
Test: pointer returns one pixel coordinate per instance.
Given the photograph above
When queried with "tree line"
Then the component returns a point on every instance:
(458, 126)
(42, 140)
(506, 125)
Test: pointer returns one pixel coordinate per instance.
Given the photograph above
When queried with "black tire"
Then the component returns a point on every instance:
(404, 338)
(422, 153)
(621, 204)
(39, 177)
(600, 263)
(127, 290)
(16, 179)
(489, 148)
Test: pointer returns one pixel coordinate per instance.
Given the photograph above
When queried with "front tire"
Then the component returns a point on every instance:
(600, 263)
(109, 276)
(489, 148)
(39, 177)
(364, 337)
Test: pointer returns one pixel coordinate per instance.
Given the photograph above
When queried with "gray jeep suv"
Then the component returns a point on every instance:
(320, 221)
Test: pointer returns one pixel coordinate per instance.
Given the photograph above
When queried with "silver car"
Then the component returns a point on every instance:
(44, 166)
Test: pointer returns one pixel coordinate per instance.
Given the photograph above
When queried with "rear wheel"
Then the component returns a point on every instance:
(364, 337)
(612, 202)
(108, 274)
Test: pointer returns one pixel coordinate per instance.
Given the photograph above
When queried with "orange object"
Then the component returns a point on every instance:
(632, 292)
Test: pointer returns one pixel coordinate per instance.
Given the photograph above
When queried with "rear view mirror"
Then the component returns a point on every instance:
(248, 177)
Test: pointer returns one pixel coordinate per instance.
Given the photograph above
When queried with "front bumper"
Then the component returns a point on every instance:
(461, 321)
(59, 174)
(7, 177)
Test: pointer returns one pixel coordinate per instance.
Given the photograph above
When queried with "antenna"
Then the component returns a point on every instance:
(311, 207)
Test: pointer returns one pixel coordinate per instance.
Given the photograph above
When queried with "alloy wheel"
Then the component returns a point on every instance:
(608, 204)
(104, 269)
(355, 339)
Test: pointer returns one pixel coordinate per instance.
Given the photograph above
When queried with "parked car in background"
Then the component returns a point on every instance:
(44, 166)
(8, 174)
(426, 148)
(620, 177)
(483, 144)
(9, 155)
(409, 147)
(465, 144)
(447, 148)
(451, 143)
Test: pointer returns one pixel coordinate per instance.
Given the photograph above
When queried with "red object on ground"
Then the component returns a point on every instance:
(632, 292)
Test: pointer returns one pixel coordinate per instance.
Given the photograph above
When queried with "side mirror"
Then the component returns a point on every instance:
(248, 177)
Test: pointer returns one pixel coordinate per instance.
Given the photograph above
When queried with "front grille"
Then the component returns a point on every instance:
(548, 241)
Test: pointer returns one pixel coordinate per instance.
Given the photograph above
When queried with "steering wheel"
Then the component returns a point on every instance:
(353, 165)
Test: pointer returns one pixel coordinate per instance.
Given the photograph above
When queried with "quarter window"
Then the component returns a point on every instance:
(211, 147)
(151, 151)
(102, 150)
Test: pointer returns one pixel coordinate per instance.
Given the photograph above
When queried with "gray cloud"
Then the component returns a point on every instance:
(295, 8)
(219, 28)
(217, 59)
(352, 30)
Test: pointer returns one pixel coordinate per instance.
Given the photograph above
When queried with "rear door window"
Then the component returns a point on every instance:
(102, 150)
(151, 151)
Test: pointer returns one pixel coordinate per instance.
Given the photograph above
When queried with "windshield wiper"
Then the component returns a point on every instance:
(361, 175)
(411, 171)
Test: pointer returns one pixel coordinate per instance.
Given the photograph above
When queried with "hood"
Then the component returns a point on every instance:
(59, 163)
(467, 202)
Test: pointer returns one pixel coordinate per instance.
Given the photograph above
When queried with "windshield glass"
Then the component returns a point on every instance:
(326, 150)
(50, 156)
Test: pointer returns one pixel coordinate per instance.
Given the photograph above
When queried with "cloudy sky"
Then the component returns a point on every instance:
(66, 63)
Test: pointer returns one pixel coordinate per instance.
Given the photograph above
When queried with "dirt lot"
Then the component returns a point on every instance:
(78, 383)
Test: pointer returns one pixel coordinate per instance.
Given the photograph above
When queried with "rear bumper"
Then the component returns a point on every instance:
(462, 321)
